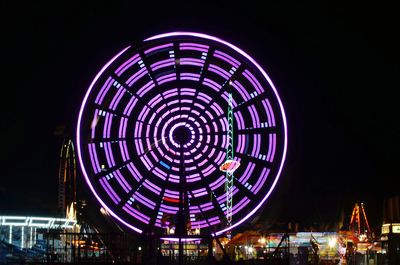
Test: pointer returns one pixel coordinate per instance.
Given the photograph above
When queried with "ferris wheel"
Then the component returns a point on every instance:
(182, 131)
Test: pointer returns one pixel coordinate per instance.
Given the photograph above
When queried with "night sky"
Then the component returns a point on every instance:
(336, 67)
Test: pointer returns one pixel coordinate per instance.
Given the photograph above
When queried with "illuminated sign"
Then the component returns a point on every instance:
(396, 228)
(386, 229)
(42, 222)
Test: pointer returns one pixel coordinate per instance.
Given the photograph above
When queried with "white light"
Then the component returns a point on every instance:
(139, 248)
(45, 222)
(10, 235)
(332, 242)
(22, 237)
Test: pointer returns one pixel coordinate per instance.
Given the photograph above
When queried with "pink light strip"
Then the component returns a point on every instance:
(205, 96)
(216, 184)
(150, 185)
(239, 117)
(155, 100)
(134, 59)
(135, 173)
(121, 148)
(135, 213)
(189, 76)
(249, 76)
(105, 125)
(158, 48)
(261, 180)
(111, 193)
(162, 64)
(212, 84)
(166, 78)
(142, 115)
(219, 71)
(172, 194)
(146, 88)
(136, 76)
(256, 120)
(243, 92)
(271, 112)
(104, 90)
(240, 205)
(191, 61)
(273, 147)
(240, 145)
(227, 58)
(117, 98)
(125, 185)
(165, 210)
(158, 173)
(130, 106)
(93, 158)
(140, 198)
(247, 173)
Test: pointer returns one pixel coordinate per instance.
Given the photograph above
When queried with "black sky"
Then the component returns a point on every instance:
(336, 67)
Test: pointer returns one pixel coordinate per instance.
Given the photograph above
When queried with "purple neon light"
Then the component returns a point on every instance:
(220, 125)
(117, 98)
(94, 159)
(192, 61)
(79, 144)
(158, 48)
(253, 81)
(103, 91)
(229, 59)
(173, 239)
(134, 59)
(199, 35)
(219, 71)
(110, 190)
(136, 76)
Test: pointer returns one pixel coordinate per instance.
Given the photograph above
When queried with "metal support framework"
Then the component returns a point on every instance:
(229, 157)
(356, 222)
(67, 177)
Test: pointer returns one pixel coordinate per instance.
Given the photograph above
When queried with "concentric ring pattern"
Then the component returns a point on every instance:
(153, 124)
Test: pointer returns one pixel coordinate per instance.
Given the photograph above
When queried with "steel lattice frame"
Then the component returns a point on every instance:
(180, 82)
(229, 156)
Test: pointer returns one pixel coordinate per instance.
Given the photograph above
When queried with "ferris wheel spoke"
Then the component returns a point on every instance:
(129, 195)
(206, 64)
(245, 190)
(214, 201)
(249, 102)
(253, 159)
(158, 205)
(203, 214)
(147, 65)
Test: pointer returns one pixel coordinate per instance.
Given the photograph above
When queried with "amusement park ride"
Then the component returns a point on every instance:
(230, 165)
(358, 237)
(359, 234)
(159, 152)
(67, 180)
(359, 225)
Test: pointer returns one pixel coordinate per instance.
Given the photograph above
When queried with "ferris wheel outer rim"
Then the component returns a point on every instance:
(204, 36)
(79, 144)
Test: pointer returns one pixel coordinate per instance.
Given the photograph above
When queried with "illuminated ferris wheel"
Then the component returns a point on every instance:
(182, 132)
